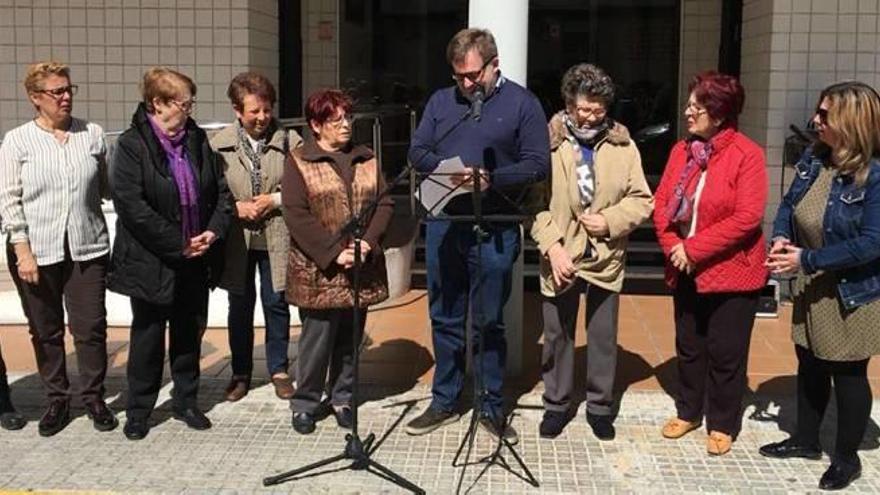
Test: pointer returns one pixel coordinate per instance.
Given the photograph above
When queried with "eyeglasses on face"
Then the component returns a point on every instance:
(185, 106)
(472, 76)
(342, 120)
(60, 91)
(822, 113)
(595, 112)
(694, 109)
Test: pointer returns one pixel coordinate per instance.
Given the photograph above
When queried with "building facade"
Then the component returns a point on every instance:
(391, 53)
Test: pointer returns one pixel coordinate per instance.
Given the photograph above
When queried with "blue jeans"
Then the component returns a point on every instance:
(452, 253)
(241, 320)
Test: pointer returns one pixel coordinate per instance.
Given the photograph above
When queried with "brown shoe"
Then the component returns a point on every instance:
(283, 385)
(238, 387)
(718, 443)
(677, 428)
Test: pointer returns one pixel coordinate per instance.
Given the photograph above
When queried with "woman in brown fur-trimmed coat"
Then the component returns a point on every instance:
(595, 196)
(327, 181)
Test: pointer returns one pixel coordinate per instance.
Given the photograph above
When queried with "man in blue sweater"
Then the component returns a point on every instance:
(508, 146)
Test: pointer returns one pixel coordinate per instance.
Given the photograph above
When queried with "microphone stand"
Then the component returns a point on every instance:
(481, 394)
(357, 450)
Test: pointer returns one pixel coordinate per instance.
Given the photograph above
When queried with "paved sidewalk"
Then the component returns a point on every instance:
(253, 439)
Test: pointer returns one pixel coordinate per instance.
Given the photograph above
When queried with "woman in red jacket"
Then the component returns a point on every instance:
(708, 213)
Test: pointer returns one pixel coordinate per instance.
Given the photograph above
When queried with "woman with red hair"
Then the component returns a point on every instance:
(327, 183)
(709, 208)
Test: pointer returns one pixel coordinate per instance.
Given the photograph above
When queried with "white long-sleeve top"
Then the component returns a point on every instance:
(50, 190)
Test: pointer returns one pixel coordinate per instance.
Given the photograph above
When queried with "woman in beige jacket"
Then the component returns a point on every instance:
(595, 196)
(254, 151)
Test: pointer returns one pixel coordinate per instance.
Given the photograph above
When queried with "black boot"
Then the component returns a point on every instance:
(56, 418)
(791, 447)
(840, 474)
(10, 419)
(602, 426)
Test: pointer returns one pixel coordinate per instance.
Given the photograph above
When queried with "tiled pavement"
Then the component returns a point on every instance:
(252, 439)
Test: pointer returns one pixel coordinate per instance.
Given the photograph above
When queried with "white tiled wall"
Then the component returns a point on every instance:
(109, 44)
(320, 56)
(700, 40)
(791, 50)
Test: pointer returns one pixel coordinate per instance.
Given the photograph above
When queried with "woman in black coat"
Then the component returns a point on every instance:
(173, 206)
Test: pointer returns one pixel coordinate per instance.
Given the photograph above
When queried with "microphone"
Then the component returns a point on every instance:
(477, 103)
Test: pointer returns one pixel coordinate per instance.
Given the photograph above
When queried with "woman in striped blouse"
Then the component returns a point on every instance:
(52, 179)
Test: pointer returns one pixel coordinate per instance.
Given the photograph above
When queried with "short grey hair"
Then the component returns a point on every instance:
(589, 81)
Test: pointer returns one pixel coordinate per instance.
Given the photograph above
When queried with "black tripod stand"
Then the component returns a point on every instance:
(480, 397)
(356, 449)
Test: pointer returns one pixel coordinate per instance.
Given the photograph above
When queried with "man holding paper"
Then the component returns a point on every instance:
(499, 131)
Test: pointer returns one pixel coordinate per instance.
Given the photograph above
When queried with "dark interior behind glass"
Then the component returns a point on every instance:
(392, 57)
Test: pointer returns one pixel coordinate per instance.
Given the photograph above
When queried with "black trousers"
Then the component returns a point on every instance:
(712, 336)
(3, 380)
(853, 394)
(80, 286)
(5, 402)
(186, 318)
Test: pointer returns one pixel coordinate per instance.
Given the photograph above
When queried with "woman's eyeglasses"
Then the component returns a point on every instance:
(694, 110)
(185, 106)
(822, 113)
(59, 92)
(342, 120)
(593, 112)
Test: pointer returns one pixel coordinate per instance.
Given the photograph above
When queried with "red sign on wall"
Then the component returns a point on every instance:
(325, 31)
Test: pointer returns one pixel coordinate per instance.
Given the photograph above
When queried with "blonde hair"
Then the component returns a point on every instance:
(38, 72)
(854, 117)
(165, 84)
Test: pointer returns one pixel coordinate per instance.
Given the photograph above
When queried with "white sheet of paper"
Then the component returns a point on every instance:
(437, 189)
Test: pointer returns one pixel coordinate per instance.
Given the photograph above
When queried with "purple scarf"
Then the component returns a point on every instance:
(182, 171)
(681, 208)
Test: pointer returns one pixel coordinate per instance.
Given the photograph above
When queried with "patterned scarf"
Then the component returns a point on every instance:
(584, 139)
(585, 134)
(254, 156)
(182, 171)
(680, 209)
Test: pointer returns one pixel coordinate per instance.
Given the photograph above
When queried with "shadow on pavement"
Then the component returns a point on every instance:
(775, 401)
(388, 375)
(28, 394)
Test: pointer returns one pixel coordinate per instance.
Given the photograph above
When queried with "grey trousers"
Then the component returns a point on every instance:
(325, 358)
(558, 360)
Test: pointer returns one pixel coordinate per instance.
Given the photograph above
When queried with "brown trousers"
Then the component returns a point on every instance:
(80, 286)
(712, 336)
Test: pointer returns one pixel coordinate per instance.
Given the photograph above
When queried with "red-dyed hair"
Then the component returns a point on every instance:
(323, 104)
(722, 95)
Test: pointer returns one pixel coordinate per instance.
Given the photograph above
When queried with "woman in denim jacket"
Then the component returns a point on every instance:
(827, 231)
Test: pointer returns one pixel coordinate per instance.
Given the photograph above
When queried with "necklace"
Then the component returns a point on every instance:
(60, 135)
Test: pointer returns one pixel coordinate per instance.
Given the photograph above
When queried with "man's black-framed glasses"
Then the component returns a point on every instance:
(472, 76)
